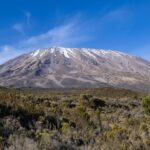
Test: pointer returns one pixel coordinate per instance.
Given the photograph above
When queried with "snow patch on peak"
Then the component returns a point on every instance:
(67, 52)
(35, 53)
(89, 52)
(64, 51)
(72, 52)
(39, 52)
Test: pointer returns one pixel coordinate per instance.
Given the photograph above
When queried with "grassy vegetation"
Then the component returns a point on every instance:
(91, 119)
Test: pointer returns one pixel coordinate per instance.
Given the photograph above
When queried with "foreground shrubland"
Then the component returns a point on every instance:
(95, 119)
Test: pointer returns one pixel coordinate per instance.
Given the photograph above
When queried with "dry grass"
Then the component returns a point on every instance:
(91, 119)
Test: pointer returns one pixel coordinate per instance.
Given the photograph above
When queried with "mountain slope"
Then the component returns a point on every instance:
(71, 67)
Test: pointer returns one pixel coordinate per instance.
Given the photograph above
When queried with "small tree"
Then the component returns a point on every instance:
(146, 104)
(96, 103)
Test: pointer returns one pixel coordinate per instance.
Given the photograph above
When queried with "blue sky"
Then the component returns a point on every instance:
(122, 25)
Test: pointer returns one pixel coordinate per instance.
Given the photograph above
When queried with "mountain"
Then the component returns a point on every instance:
(58, 67)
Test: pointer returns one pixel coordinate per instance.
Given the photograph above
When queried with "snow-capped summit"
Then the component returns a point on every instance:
(59, 67)
(71, 52)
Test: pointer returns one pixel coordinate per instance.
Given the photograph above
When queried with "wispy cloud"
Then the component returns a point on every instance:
(28, 18)
(7, 52)
(115, 16)
(19, 27)
(6, 48)
(120, 14)
(68, 34)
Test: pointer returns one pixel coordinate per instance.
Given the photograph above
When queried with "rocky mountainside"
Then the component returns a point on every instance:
(58, 67)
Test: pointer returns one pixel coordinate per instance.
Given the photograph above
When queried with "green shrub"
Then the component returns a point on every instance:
(96, 103)
(64, 127)
(86, 97)
(146, 104)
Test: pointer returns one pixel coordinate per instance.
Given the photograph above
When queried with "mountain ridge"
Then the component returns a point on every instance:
(58, 67)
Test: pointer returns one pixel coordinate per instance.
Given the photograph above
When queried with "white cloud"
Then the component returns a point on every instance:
(28, 18)
(7, 52)
(6, 48)
(117, 15)
(22, 26)
(19, 27)
(69, 34)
